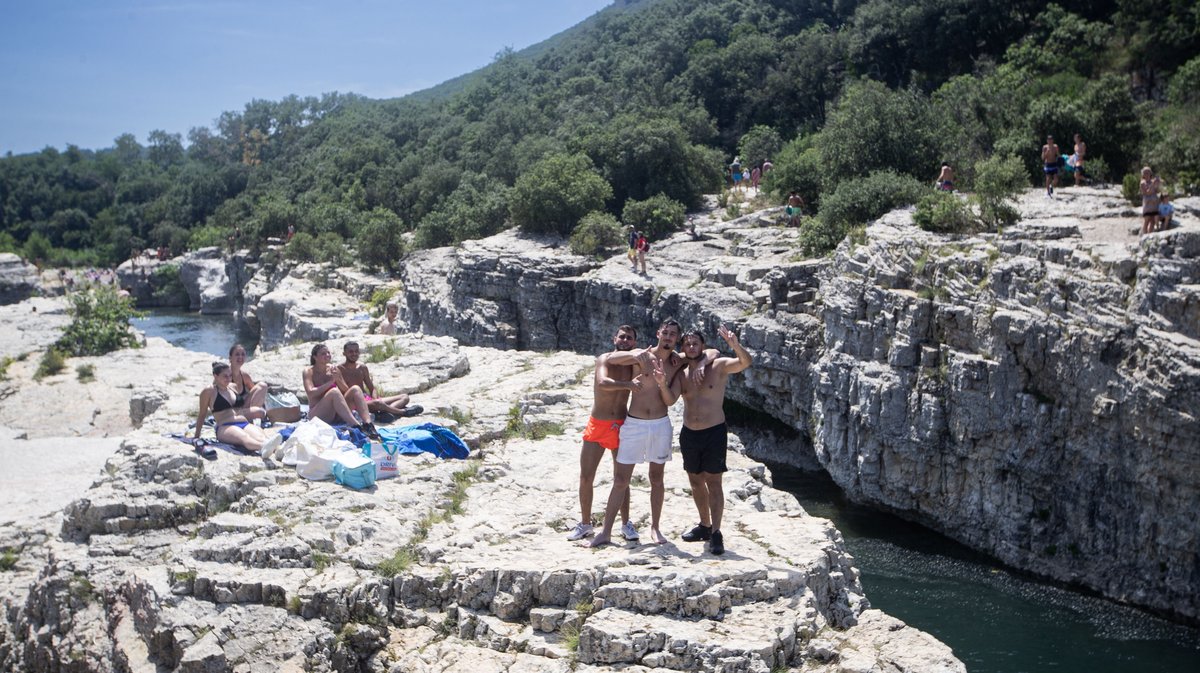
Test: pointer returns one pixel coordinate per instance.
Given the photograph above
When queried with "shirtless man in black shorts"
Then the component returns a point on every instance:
(703, 440)
(1050, 164)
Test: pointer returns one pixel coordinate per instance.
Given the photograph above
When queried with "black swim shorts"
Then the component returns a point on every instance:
(704, 450)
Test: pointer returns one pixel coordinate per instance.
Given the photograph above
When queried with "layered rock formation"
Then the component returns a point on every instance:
(1032, 394)
(171, 562)
(18, 280)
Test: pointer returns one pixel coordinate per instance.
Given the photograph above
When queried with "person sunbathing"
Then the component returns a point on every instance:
(255, 394)
(356, 375)
(323, 383)
(233, 427)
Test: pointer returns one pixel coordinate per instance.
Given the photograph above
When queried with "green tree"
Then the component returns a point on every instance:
(856, 202)
(759, 144)
(164, 149)
(378, 241)
(876, 129)
(556, 192)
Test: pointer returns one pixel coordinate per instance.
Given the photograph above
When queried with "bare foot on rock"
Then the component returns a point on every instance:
(657, 537)
(598, 541)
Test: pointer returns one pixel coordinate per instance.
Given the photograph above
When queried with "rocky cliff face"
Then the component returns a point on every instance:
(1032, 394)
(18, 280)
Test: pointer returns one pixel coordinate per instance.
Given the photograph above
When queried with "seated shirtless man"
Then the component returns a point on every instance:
(355, 374)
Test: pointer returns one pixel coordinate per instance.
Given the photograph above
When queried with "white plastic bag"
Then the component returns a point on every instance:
(313, 448)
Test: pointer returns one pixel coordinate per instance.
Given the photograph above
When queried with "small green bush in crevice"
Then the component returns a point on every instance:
(86, 373)
(167, 283)
(1130, 189)
(998, 180)
(597, 233)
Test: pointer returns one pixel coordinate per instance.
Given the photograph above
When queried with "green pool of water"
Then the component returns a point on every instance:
(996, 619)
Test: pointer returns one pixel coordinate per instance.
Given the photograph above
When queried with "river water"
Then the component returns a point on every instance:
(997, 620)
(213, 334)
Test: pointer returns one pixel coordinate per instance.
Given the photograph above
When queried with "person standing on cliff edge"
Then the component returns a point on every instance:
(704, 438)
(1050, 165)
(611, 386)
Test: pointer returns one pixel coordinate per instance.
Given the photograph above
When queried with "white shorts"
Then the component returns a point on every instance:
(645, 441)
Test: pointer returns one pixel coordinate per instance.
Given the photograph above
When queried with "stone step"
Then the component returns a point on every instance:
(755, 637)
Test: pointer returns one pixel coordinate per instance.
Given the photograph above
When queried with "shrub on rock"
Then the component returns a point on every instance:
(655, 217)
(856, 202)
(99, 323)
(597, 234)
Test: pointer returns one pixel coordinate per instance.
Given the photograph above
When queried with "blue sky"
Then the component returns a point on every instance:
(85, 71)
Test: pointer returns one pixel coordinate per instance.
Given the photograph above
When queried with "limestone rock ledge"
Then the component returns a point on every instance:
(1032, 394)
(174, 563)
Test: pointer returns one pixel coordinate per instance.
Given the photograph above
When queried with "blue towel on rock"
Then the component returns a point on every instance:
(426, 437)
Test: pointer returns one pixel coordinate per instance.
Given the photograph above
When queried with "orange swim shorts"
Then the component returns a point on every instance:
(605, 433)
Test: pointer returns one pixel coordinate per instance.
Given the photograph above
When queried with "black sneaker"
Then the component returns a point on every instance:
(412, 410)
(716, 543)
(698, 534)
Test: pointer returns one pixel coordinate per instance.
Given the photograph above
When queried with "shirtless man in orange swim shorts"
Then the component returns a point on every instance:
(611, 386)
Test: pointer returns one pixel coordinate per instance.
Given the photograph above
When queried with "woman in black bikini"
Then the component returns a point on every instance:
(255, 393)
(233, 426)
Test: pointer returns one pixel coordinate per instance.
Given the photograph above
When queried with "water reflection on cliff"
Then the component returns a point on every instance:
(996, 619)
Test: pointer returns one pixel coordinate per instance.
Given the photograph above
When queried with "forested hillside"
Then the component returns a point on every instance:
(856, 103)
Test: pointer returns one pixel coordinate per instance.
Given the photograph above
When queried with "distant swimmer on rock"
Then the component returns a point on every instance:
(388, 326)
(704, 438)
(233, 427)
(1050, 160)
(643, 249)
(323, 384)
(611, 386)
(646, 434)
(1149, 187)
(357, 376)
(945, 179)
(1166, 212)
(1078, 157)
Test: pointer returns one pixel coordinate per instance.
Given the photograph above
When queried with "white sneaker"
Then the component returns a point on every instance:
(629, 532)
(580, 531)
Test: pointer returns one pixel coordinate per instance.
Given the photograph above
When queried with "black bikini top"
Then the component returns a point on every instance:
(221, 404)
